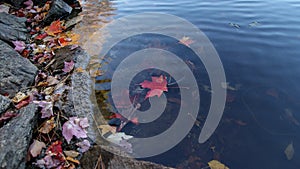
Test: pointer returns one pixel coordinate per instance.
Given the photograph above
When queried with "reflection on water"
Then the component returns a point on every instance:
(95, 15)
(258, 43)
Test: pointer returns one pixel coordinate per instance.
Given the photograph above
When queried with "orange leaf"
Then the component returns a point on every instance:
(54, 28)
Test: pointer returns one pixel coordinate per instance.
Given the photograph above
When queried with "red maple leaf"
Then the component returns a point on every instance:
(157, 86)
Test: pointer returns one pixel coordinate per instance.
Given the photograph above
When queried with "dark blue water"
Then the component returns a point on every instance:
(259, 45)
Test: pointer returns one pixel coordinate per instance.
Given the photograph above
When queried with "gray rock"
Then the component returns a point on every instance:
(4, 104)
(15, 3)
(59, 9)
(111, 161)
(12, 28)
(81, 102)
(16, 72)
(15, 139)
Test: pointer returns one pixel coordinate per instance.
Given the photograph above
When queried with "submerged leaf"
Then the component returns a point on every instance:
(289, 151)
(157, 86)
(107, 128)
(214, 164)
(186, 41)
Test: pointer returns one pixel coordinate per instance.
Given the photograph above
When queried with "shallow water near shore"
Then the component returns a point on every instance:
(258, 44)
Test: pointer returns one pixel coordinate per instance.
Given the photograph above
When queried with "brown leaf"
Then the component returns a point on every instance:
(72, 153)
(47, 126)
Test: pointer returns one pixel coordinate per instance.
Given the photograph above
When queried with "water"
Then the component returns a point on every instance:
(261, 58)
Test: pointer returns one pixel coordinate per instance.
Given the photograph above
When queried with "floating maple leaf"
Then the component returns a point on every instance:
(186, 41)
(157, 86)
(75, 127)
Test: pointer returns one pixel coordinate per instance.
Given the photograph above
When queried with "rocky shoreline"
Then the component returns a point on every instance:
(44, 83)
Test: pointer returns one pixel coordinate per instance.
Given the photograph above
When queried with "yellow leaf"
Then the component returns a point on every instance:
(19, 97)
(107, 128)
(214, 164)
(72, 160)
(79, 70)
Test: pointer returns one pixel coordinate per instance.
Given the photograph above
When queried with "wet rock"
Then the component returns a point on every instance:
(111, 161)
(15, 3)
(12, 28)
(4, 104)
(59, 9)
(16, 72)
(15, 139)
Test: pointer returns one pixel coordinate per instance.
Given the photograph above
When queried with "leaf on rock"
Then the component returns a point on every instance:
(74, 127)
(23, 103)
(36, 148)
(68, 66)
(186, 41)
(71, 153)
(289, 151)
(29, 4)
(48, 162)
(47, 126)
(19, 46)
(73, 160)
(214, 164)
(84, 146)
(52, 80)
(157, 86)
(55, 28)
(19, 97)
(6, 116)
(55, 148)
(47, 108)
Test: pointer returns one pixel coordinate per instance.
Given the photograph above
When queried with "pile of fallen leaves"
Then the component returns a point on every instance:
(59, 140)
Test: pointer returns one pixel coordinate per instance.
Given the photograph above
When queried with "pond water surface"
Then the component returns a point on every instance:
(259, 45)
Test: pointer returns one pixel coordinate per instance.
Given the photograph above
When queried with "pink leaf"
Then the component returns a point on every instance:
(47, 108)
(48, 162)
(68, 66)
(157, 86)
(73, 128)
(29, 4)
(19, 46)
(84, 145)
(36, 148)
